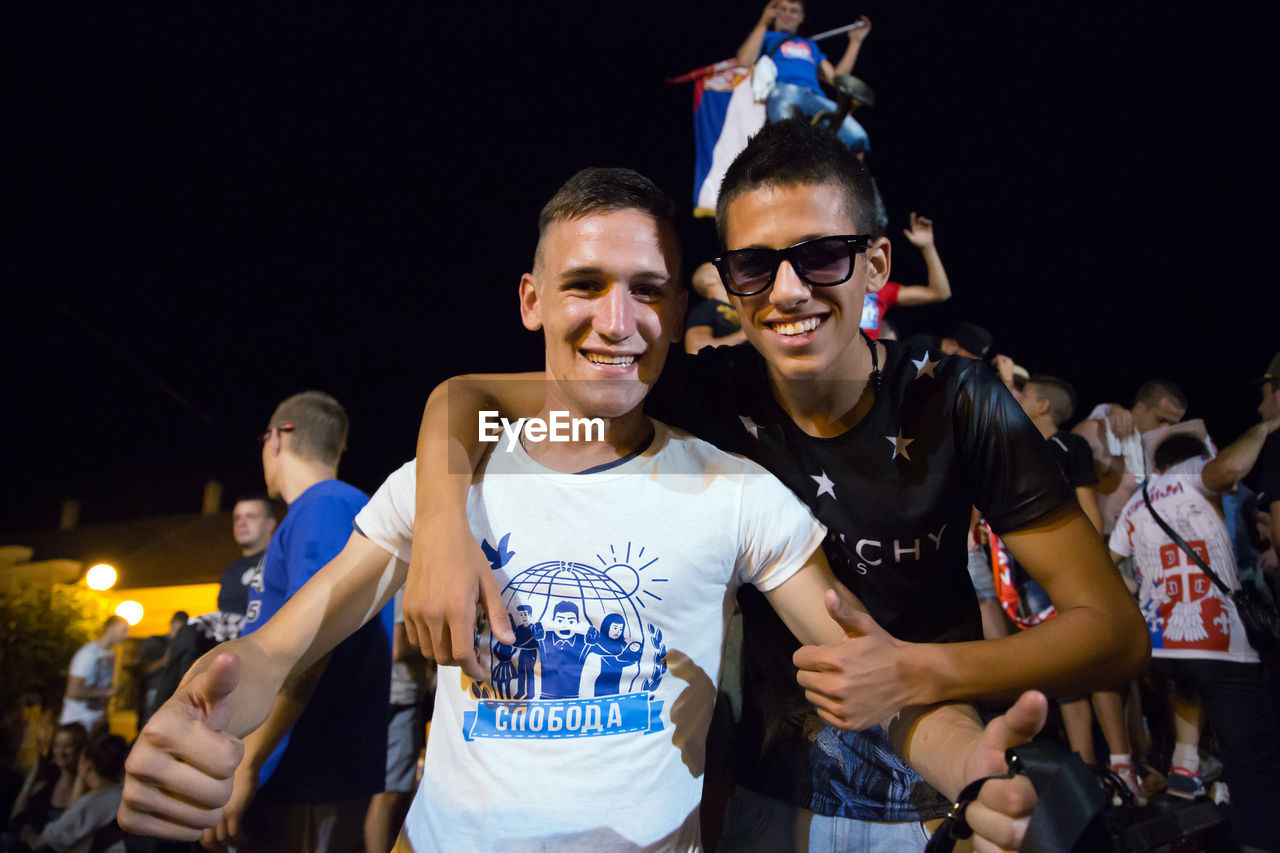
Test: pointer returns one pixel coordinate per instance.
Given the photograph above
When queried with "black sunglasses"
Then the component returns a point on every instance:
(820, 262)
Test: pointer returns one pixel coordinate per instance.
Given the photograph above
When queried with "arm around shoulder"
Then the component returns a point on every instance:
(450, 575)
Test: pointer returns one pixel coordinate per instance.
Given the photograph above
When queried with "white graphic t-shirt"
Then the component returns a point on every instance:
(96, 666)
(589, 733)
(1186, 613)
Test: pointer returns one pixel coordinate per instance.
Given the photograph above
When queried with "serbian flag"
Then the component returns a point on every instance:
(725, 115)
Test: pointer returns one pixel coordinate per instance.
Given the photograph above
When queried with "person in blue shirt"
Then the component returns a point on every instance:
(801, 65)
(310, 769)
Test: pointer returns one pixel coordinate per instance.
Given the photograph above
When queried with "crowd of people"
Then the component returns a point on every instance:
(62, 765)
(920, 552)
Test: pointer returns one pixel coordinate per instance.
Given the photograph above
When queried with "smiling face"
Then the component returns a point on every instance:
(803, 332)
(605, 291)
(64, 750)
(787, 16)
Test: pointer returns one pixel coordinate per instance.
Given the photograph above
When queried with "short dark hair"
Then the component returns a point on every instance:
(564, 607)
(794, 152)
(272, 507)
(1155, 390)
(1177, 448)
(107, 753)
(319, 426)
(113, 619)
(1059, 393)
(604, 190)
(181, 616)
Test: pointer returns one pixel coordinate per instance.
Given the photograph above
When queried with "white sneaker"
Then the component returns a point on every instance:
(1130, 779)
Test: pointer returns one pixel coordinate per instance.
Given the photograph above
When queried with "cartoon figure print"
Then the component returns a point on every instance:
(584, 662)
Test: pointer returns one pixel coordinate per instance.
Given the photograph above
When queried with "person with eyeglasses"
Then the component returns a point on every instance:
(309, 770)
(890, 447)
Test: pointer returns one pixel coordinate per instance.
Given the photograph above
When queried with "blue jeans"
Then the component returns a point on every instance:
(755, 823)
(788, 99)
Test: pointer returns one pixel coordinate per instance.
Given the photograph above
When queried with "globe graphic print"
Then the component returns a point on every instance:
(595, 592)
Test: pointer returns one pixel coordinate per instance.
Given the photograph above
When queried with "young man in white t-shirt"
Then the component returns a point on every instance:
(1197, 639)
(91, 676)
(618, 554)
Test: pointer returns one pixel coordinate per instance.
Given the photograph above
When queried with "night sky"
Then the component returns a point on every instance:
(211, 205)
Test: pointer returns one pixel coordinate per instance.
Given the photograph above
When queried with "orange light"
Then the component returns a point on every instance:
(129, 611)
(100, 577)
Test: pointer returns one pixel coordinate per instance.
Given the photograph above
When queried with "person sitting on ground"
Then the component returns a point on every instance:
(801, 64)
(712, 322)
(50, 785)
(99, 774)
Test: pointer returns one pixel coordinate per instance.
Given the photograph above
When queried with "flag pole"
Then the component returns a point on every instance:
(837, 31)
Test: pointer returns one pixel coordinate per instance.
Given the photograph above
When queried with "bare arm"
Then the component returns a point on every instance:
(1110, 469)
(856, 37)
(180, 772)
(1088, 500)
(76, 689)
(800, 602)
(946, 744)
(698, 337)
(938, 287)
(30, 785)
(156, 665)
(749, 51)
(1221, 473)
(331, 606)
(448, 574)
(1098, 638)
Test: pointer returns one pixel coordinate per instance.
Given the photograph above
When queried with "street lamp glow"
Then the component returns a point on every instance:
(129, 611)
(100, 577)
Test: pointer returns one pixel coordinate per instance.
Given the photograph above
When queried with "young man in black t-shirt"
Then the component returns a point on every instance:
(890, 446)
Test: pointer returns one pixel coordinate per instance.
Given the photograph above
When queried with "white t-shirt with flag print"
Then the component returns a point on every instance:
(590, 732)
(1186, 613)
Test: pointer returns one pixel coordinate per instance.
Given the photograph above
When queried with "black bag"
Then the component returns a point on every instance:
(1260, 619)
(1072, 814)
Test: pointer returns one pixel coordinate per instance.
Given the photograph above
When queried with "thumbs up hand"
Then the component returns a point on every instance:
(179, 773)
(860, 681)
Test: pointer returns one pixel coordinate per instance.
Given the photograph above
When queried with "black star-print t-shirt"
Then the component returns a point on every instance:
(895, 493)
